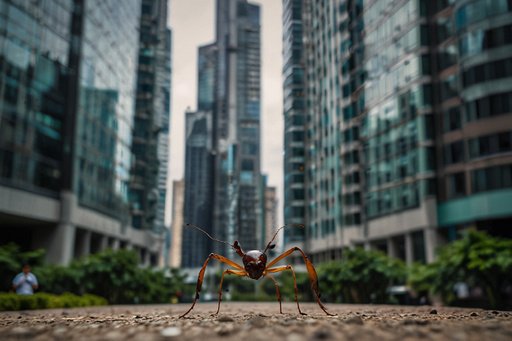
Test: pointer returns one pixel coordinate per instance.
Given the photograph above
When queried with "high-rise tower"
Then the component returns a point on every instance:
(236, 123)
(407, 129)
(229, 103)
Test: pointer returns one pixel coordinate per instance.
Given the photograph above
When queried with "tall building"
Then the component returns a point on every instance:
(198, 188)
(270, 215)
(407, 126)
(198, 192)
(236, 124)
(178, 191)
(229, 105)
(66, 122)
(151, 137)
(294, 106)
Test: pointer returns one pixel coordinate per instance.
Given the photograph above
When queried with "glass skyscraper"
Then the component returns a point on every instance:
(236, 124)
(151, 137)
(198, 191)
(294, 105)
(407, 131)
(67, 99)
(229, 93)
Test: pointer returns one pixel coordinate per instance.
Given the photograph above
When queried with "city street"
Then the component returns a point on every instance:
(257, 321)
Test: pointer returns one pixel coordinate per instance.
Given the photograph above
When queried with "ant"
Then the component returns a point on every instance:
(255, 267)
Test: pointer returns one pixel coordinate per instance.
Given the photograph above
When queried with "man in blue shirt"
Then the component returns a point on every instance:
(25, 282)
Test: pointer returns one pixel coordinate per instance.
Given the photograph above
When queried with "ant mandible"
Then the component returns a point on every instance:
(255, 267)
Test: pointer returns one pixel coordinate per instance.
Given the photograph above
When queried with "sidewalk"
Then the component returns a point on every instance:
(257, 321)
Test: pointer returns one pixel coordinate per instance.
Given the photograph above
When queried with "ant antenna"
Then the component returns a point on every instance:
(275, 234)
(215, 239)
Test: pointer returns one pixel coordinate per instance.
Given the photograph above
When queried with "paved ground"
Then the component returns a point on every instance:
(257, 321)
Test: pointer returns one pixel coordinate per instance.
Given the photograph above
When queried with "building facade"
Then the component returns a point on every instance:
(66, 114)
(197, 205)
(178, 191)
(229, 104)
(394, 126)
(236, 124)
(150, 145)
(199, 158)
(294, 110)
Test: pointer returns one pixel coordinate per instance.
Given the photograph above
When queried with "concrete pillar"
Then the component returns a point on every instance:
(391, 245)
(103, 243)
(61, 244)
(83, 245)
(430, 236)
(147, 258)
(409, 256)
(116, 244)
(367, 245)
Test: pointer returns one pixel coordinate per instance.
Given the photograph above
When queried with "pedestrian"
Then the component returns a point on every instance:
(25, 282)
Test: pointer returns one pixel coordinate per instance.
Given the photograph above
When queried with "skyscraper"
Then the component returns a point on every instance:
(236, 123)
(294, 105)
(229, 98)
(401, 138)
(177, 224)
(66, 112)
(198, 188)
(151, 138)
(198, 181)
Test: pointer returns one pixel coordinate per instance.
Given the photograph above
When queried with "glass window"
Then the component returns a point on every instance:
(456, 185)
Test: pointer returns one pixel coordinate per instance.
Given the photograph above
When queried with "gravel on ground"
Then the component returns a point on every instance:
(257, 321)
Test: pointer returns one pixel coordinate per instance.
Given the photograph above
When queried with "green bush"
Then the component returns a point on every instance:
(476, 259)
(361, 277)
(11, 301)
(115, 275)
(11, 261)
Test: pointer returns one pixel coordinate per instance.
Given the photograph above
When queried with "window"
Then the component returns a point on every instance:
(492, 178)
(456, 185)
(454, 153)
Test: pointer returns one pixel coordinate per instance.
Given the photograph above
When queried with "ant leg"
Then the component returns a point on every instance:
(313, 277)
(289, 267)
(202, 271)
(229, 272)
(278, 293)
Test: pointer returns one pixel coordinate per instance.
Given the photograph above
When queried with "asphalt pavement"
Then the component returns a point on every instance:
(257, 321)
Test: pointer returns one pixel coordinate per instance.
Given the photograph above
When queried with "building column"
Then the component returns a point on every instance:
(147, 258)
(409, 255)
(367, 245)
(391, 245)
(103, 243)
(116, 244)
(83, 245)
(61, 244)
(430, 236)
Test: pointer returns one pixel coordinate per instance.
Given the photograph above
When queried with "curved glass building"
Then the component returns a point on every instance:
(408, 125)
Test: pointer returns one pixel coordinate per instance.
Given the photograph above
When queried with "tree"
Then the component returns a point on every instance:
(476, 259)
(361, 277)
(11, 261)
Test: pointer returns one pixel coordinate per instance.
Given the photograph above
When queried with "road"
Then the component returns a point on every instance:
(257, 321)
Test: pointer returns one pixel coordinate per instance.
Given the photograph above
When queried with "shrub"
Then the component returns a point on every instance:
(361, 277)
(11, 301)
(476, 259)
(115, 275)
(11, 261)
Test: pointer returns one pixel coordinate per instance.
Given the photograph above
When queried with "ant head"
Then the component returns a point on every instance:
(254, 263)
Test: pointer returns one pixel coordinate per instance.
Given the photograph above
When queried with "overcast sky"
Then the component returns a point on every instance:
(192, 23)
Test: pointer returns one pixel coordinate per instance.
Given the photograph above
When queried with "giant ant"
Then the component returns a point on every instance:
(255, 267)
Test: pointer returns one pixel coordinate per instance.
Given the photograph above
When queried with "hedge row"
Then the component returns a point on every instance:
(11, 301)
